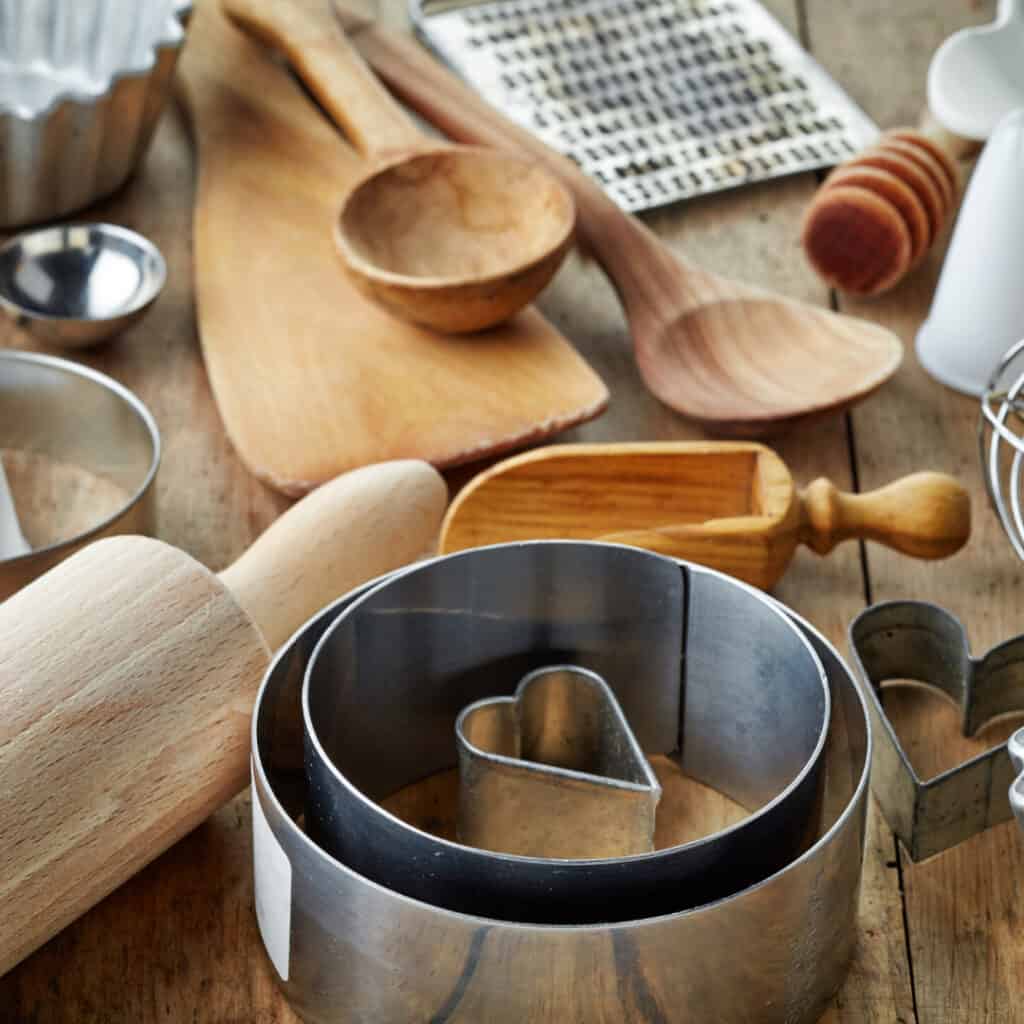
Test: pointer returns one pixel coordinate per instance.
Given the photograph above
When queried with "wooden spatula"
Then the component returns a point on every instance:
(127, 676)
(310, 377)
(735, 358)
(729, 505)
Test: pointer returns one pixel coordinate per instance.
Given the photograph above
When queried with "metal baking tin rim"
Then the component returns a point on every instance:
(811, 765)
(171, 37)
(824, 840)
(137, 406)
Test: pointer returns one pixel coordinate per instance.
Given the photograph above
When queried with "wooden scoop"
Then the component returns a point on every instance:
(737, 359)
(456, 238)
(127, 677)
(728, 505)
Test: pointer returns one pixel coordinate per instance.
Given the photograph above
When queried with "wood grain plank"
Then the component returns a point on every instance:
(961, 906)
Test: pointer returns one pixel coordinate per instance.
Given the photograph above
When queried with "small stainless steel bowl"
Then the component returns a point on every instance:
(73, 416)
(78, 284)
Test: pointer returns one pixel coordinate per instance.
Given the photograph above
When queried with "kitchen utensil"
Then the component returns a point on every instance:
(913, 640)
(729, 505)
(346, 948)
(77, 284)
(82, 85)
(451, 237)
(59, 417)
(1001, 444)
(129, 673)
(877, 215)
(1015, 748)
(735, 358)
(554, 771)
(655, 101)
(977, 75)
(12, 540)
(700, 664)
(978, 309)
(310, 378)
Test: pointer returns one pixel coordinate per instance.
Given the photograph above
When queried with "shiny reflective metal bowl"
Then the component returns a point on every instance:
(68, 413)
(78, 284)
(82, 85)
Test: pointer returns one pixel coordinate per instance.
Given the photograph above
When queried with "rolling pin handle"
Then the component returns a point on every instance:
(925, 515)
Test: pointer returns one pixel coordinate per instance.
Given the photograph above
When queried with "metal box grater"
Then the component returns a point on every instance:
(658, 100)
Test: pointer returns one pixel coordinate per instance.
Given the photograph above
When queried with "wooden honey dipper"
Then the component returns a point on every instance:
(877, 215)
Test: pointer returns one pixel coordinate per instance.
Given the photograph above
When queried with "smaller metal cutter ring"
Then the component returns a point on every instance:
(705, 668)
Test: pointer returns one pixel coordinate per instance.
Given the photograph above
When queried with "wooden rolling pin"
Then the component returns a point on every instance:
(877, 216)
(127, 677)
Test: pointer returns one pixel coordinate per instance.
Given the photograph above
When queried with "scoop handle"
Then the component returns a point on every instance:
(331, 67)
(352, 529)
(925, 515)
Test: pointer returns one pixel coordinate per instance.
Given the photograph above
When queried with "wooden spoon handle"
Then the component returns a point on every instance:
(327, 62)
(926, 515)
(346, 532)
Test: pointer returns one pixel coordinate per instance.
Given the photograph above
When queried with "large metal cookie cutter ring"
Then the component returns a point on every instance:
(917, 641)
(701, 665)
(348, 949)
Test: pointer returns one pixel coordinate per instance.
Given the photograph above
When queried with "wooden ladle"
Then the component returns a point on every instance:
(457, 238)
(731, 505)
(737, 359)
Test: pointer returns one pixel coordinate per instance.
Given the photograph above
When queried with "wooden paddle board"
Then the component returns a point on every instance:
(310, 378)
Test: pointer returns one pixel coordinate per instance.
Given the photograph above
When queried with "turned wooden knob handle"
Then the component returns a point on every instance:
(877, 215)
(926, 515)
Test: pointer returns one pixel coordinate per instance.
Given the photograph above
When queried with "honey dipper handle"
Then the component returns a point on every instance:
(926, 515)
(350, 530)
(328, 63)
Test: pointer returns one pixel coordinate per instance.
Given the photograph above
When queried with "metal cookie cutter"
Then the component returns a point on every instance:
(703, 666)
(918, 641)
(345, 948)
(554, 771)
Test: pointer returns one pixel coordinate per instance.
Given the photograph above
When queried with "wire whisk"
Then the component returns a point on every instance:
(1001, 443)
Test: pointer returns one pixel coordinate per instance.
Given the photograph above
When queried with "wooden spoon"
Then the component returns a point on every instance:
(730, 505)
(735, 358)
(456, 238)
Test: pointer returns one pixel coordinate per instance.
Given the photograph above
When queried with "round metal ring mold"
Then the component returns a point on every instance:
(703, 667)
(346, 948)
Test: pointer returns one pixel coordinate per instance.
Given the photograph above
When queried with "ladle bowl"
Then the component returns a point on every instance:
(457, 238)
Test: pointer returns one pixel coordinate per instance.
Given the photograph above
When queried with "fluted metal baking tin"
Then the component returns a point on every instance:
(347, 949)
(704, 669)
(79, 99)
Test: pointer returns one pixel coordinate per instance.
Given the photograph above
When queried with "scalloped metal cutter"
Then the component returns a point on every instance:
(918, 641)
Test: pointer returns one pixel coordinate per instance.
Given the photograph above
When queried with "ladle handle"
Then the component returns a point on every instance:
(926, 515)
(331, 67)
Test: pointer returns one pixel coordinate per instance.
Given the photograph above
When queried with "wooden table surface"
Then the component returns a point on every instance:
(937, 942)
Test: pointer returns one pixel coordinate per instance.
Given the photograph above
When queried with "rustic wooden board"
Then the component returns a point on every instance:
(179, 942)
(964, 906)
(310, 377)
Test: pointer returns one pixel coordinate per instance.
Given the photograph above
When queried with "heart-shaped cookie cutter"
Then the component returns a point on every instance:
(554, 771)
(914, 640)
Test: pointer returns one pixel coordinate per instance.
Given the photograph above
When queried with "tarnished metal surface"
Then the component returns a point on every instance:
(347, 949)
(657, 100)
(700, 664)
(554, 771)
(913, 640)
